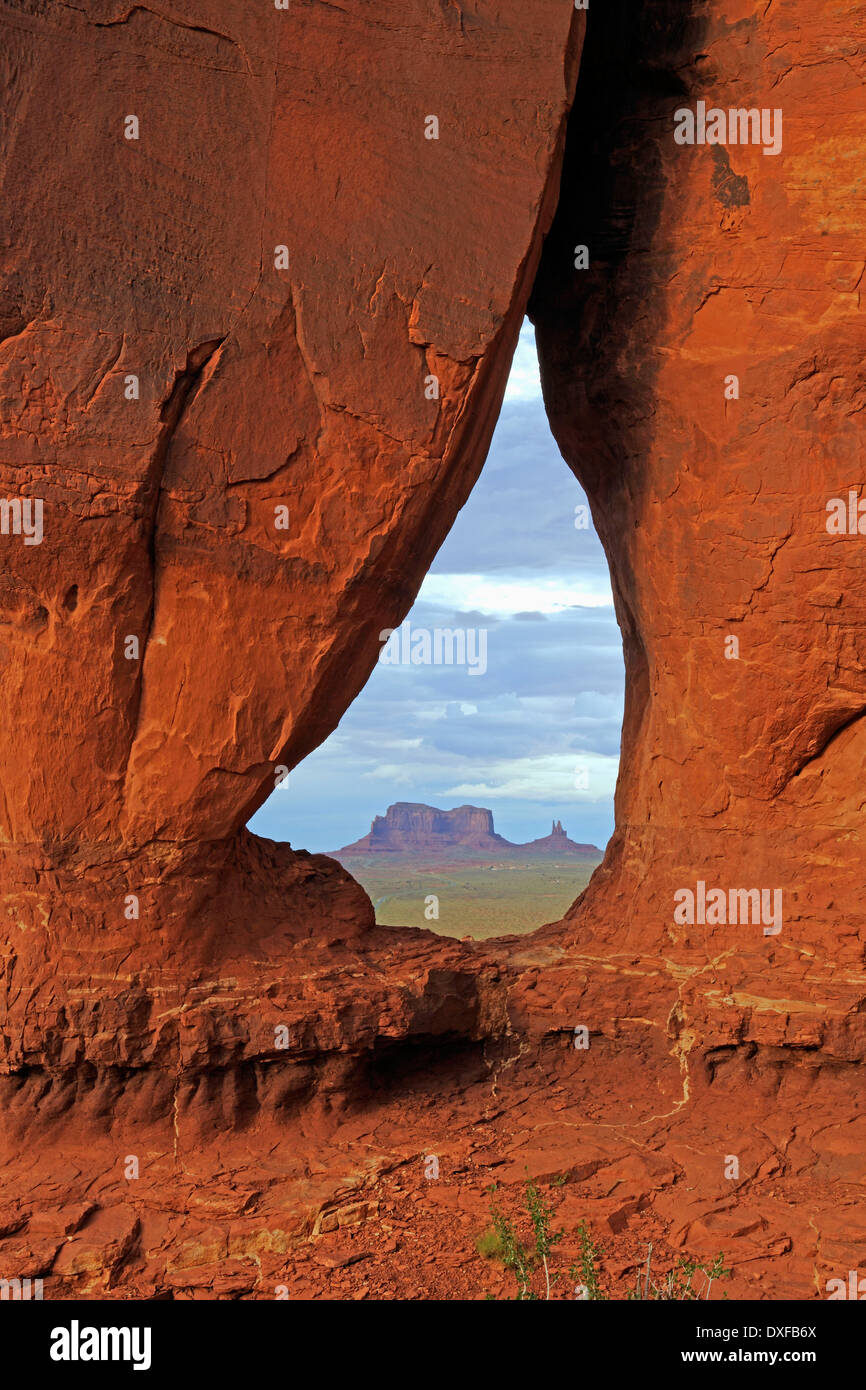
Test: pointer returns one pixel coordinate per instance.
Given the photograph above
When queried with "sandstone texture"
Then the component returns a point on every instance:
(739, 762)
(238, 312)
(250, 377)
(265, 138)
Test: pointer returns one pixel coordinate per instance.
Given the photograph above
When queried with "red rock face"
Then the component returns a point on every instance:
(224, 1010)
(250, 378)
(283, 261)
(703, 378)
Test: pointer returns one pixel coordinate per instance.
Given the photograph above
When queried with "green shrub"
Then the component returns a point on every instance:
(527, 1256)
(524, 1258)
(585, 1270)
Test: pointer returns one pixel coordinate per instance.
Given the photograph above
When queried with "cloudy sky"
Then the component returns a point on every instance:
(536, 736)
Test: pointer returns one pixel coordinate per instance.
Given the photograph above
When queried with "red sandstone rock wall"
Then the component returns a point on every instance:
(256, 327)
(741, 758)
(259, 386)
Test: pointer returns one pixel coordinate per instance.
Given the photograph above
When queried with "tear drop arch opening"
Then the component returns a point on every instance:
(481, 757)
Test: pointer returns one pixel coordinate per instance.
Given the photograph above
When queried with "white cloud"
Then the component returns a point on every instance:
(504, 595)
(389, 772)
(554, 777)
(399, 744)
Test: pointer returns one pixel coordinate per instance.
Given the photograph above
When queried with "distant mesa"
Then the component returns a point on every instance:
(410, 827)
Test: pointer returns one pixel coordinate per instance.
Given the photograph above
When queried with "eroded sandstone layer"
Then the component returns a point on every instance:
(239, 1090)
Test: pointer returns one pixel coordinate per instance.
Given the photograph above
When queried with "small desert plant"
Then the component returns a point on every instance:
(586, 1268)
(489, 1244)
(678, 1282)
(689, 1280)
(504, 1242)
(541, 1216)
